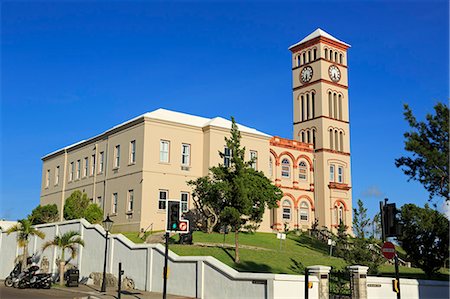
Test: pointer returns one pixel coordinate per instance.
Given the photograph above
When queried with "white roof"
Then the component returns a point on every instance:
(318, 32)
(176, 117)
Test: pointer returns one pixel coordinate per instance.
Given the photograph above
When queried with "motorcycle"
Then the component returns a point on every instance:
(30, 279)
(9, 280)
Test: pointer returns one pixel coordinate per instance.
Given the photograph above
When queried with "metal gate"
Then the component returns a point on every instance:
(340, 284)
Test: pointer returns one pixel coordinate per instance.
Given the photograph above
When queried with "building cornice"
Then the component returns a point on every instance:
(320, 81)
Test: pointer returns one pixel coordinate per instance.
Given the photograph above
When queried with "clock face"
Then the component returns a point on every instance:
(306, 74)
(334, 73)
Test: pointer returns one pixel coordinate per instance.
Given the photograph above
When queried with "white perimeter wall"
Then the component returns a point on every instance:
(200, 277)
(381, 288)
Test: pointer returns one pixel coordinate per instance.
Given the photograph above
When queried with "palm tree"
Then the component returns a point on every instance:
(24, 230)
(67, 241)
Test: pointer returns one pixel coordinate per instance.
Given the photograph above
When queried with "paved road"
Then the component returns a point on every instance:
(12, 293)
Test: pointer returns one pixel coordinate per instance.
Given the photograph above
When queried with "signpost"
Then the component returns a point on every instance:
(281, 236)
(174, 224)
(388, 250)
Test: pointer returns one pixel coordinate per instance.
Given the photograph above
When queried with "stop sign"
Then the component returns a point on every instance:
(388, 250)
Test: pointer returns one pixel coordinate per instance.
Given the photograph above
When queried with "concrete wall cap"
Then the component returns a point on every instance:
(319, 268)
(358, 269)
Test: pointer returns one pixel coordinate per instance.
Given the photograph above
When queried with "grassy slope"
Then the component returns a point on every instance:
(303, 249)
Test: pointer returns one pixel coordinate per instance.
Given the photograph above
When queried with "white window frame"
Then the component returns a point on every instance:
(285, 168)
(184, 202)
(254, 154)
(115, 200)
(287, 211)
(78, 169)
(72, 170)
(303, 171)
(162, 202)
(132, 152)
(130, 200)
(57, 175)
(85, 167)
(227, 155)
(340, 174)
(164, 151)
(304, 211)
(101, 162)
(47, 178)
(332, 168)
(93, 164)
(185, 154)
(117, 156)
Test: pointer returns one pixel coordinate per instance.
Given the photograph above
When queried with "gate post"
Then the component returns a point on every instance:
(358, 281)
(322, 273)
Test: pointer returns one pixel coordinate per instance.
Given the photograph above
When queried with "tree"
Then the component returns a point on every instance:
(93, 213)
(44, 214)
(342, 243)
(360, 220)
(75, 205)
(79, 206)
(376, 226)
(68, 241)
(425, 237)
(428, 143)
(24, 230)
(236, 191)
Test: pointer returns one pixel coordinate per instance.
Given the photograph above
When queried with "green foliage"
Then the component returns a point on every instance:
(93, 214)
(75, 205)
(79, 206)
(44, 214)
(342, 244)
(425, 237)
(428, 143)
(24, 230)
(236, 192)
(360, 220)
(67, 241)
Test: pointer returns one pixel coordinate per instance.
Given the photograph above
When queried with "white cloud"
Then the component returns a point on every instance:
(372, 191)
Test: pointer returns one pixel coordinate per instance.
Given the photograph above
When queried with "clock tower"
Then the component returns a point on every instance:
(321, 118)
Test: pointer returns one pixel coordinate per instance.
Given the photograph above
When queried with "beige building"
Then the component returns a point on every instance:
(133, 168)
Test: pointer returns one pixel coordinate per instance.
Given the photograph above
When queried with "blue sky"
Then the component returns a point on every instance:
(73, 69)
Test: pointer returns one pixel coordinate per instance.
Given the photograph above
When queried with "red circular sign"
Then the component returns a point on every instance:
(183, 226)
(388, 250)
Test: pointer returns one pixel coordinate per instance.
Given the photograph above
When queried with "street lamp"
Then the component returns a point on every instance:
(107, 224)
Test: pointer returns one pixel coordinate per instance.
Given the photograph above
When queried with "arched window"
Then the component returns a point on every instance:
(335, 56)
(302, 171)
(341, 141)
(315, 53)
(307, 106)
(326, 53)
(270, 167)
(304, 211)
(285, 168)
(335, 105)
(314, 138)
(304, 57)
(313, 104)
(330, 105)
(336, 140)
(339, 212)
(298, 60)
(340, 106)
(331, 139)
(331, 55)
(308, 136)
(309, 56)
(286, 210)
(303, 108)
(340, 59)
(303, 136)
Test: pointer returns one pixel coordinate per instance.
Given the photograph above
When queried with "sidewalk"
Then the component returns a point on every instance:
(93, 292)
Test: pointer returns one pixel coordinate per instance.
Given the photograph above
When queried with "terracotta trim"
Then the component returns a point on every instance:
(320, 81)
(319, 39)
(342, 202)
(311, 168)
(339, 186)
(295, 188)
(321, 116)
(289, 155)
(320, 58)
(308, 199)
(332, 151)
(291, 144)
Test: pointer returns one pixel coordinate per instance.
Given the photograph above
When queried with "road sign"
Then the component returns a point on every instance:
(388, 250)
(183, 226)
(174, 221)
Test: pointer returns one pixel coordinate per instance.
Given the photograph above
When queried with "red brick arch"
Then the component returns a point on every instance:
(289, 155)
(311, 167)
(280, 203)
(277, 159)
(342, 202)
(311, 203)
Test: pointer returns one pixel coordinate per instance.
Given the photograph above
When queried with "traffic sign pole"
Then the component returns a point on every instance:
(397, 276)
(166, 257)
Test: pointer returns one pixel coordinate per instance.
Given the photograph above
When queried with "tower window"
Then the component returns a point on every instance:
(298, 60)
(303, 136)
(335, 56)
(309, 56)
(340, 107)
(340, 59)
(340, 174)
(307, 106)
(304, 57)
(332, 173)
(313, 104)
(331, 139)
(315, 54)
(314, 138)
(303, 108)
(336, 143)
(341, 143)
(331, 55)
(285, 168)
(308, 136)
(330, 105)
(326, 53)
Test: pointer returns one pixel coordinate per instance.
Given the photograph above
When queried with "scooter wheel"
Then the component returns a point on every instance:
(9, 282)
(47, 285)
(22, 284)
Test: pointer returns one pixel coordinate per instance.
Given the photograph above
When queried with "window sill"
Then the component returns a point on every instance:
(164, 163)
(132, 163)
(113, 214)
(116, 168)
(129, 212)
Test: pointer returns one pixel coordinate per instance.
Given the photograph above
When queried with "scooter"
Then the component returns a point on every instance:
(30, 279)
(9, 280)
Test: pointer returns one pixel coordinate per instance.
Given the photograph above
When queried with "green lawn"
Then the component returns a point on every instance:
(269, 258)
